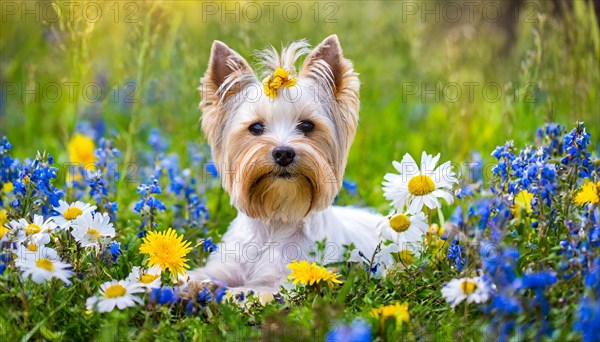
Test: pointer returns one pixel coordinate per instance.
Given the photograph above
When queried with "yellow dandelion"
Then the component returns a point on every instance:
(309, 274)
(168, 250)
(7, 187)
(396, 310)
(523, 202)
(81, 150)
(589, 192)
(280, 78)
(3, 221)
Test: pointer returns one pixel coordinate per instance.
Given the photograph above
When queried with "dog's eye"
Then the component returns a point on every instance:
(257, 128)
(305, 126)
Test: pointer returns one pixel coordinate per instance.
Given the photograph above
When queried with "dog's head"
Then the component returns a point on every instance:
(281, 156)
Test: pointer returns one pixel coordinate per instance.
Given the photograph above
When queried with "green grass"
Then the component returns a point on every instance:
(551, 73)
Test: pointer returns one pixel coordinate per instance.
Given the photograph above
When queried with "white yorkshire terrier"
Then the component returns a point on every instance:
(281, 146)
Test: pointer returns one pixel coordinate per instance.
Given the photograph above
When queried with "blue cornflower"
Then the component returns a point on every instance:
(164, 295)
(455, 251)
(506, 305)
(575, 149)
(357, 331)
(220, 293)
(148, 201)
(211, 168)
(588, 322)
(115, 250)
(209, 246)
(465, 191)
(204, 297)
(536, 280)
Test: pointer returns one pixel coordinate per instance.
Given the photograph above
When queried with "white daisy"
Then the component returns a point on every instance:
(406, 231)
(38, 231)
(90, 229)
(414, 187)
(43, 265)
(472, 289)
(69, 212)
(119, 293)
(32, 251)
(145, 278)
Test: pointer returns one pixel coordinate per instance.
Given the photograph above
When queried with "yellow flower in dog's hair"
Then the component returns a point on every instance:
(81, 150)
(280, 78)
(589, 192)
(397, 311)
(309, 274)
(168, 250)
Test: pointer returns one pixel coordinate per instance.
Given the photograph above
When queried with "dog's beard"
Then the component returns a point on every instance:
(263, 190)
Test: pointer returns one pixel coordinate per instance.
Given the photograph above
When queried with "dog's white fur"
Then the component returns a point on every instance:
(281, 218)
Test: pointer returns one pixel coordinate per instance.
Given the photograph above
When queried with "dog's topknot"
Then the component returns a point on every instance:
(270, 59)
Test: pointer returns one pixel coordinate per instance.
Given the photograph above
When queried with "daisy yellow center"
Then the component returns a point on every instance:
(421, 185)
(32, 229)
(468, 287)
(400, 223)
(147, 278)
(45, 264)
(32, 247)
(115, 291)
(93, 233)
(72, 213)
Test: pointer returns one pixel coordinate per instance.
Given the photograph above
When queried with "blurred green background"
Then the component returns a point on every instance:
(132, 66)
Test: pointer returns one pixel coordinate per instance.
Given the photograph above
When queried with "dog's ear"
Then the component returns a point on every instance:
(226, 75)
(326, 63)
(224, 65)
(337, 86)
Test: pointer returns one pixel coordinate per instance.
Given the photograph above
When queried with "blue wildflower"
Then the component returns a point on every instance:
(455, 251)
(115, 250)
(220, 293)
(204, 297)
(209, 246)
(357, 331)
(536, 280)
(211, 168)
(164, 295)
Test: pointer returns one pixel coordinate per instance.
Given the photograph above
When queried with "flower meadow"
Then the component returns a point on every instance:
(516, 257)
(100, 228)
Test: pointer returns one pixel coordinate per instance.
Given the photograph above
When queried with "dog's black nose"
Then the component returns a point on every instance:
(283, 155)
